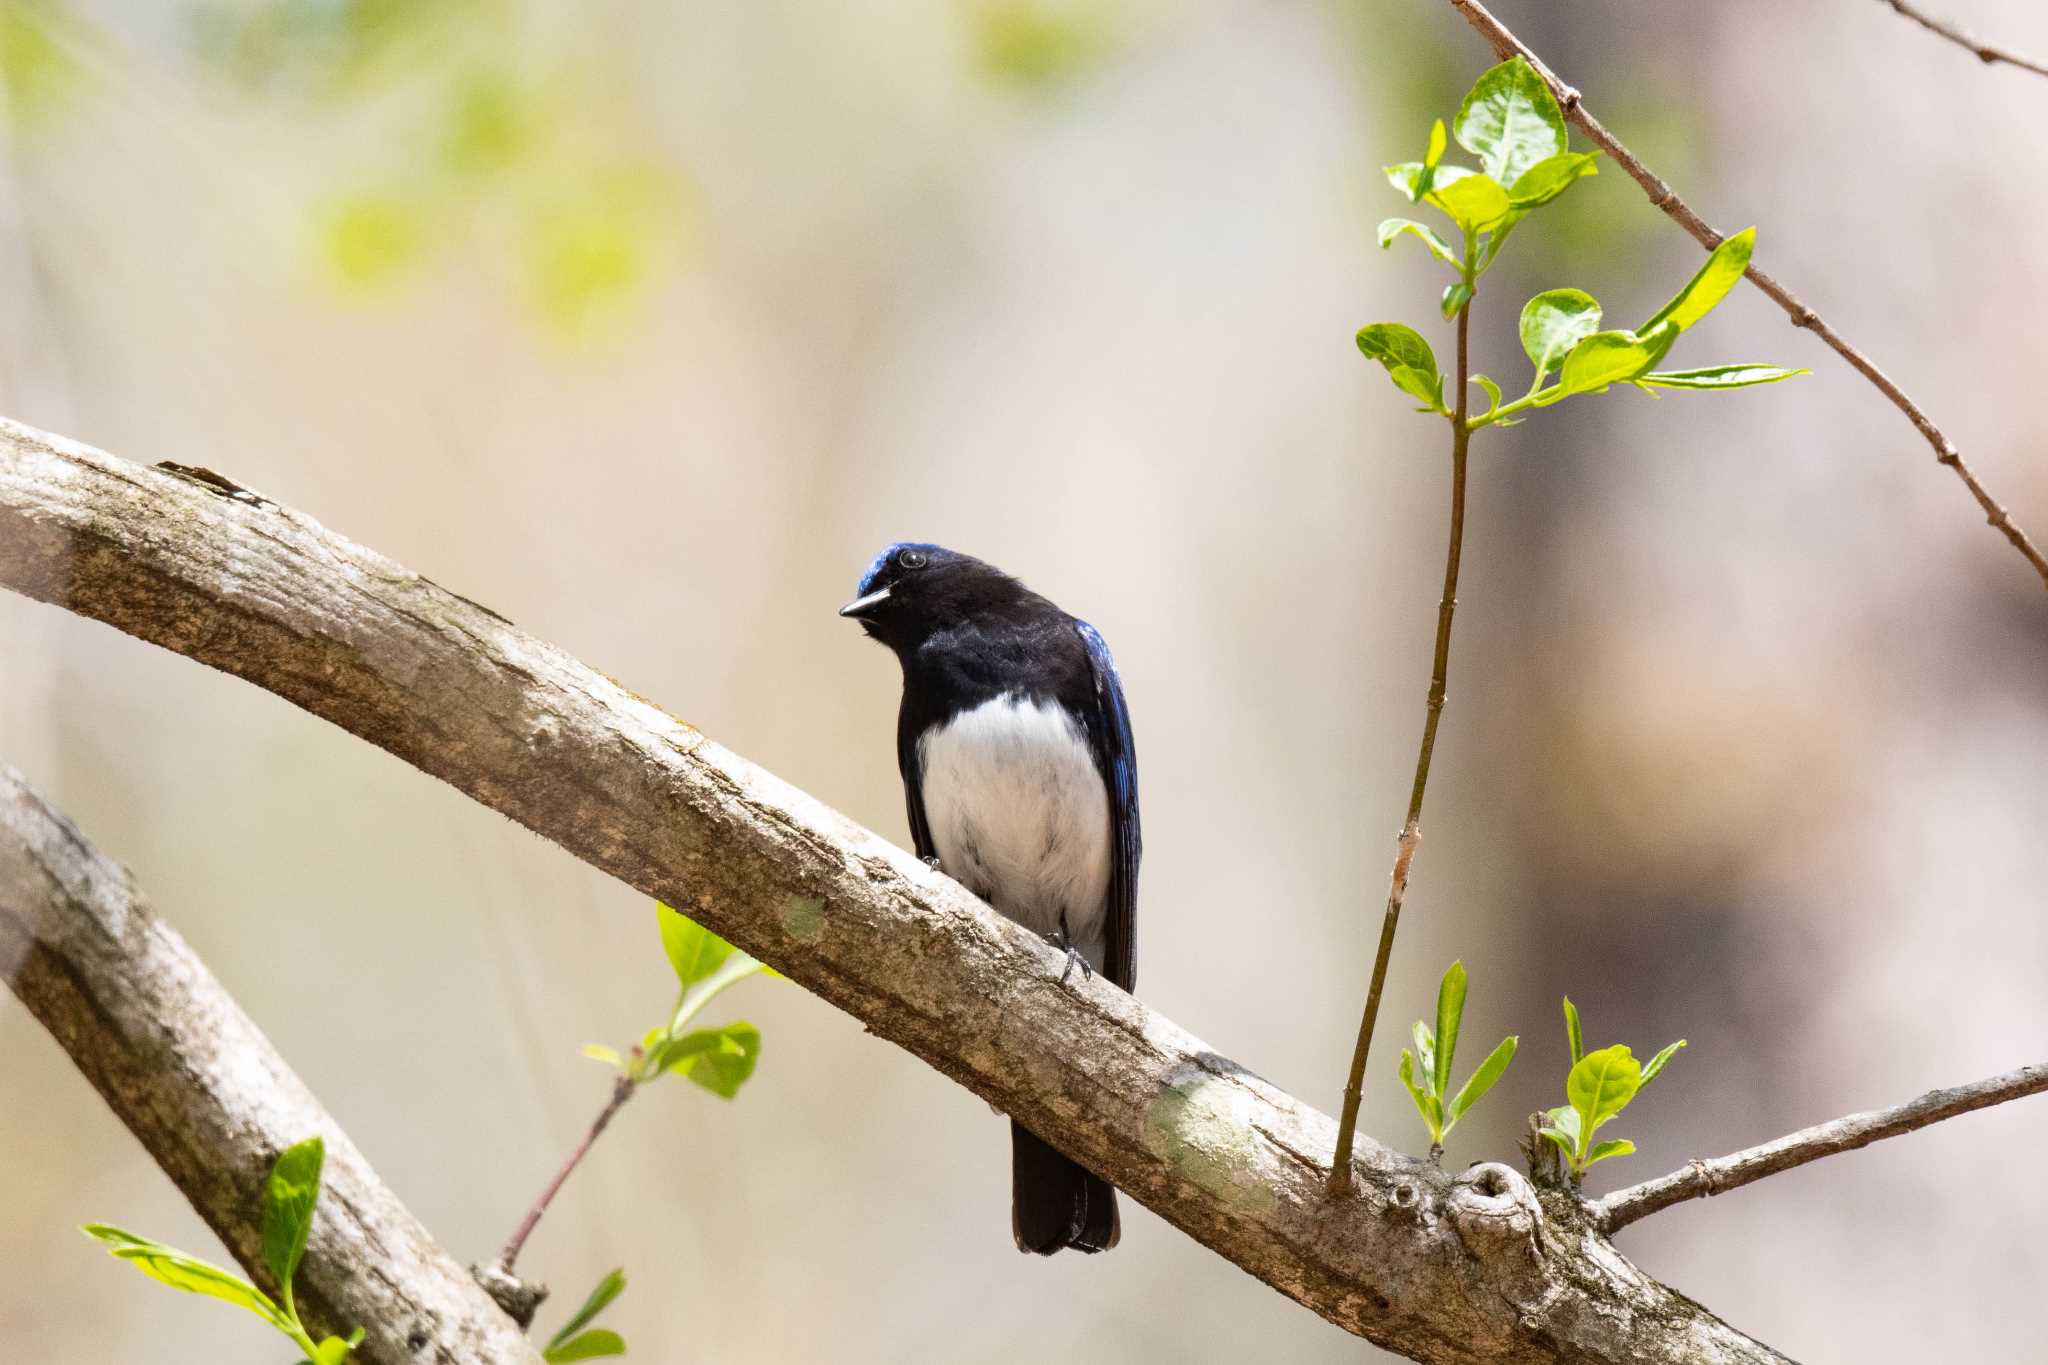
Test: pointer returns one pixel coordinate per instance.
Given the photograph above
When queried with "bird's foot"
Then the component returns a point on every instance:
(932, 861)
(1066, 945)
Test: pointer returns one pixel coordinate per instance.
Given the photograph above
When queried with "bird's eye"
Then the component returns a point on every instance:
(912, 559)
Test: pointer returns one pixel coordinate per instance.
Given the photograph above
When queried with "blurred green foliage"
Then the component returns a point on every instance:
(369, 238)
(37, 69)
(489, 145)
(1037, 44)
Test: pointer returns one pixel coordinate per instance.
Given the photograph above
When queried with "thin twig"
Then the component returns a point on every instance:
(1961, 37)
(1698, 1179)
(1411, 832)
(1666, 198)
(621, 1092)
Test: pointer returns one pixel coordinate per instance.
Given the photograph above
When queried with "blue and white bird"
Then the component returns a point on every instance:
(1022, 783)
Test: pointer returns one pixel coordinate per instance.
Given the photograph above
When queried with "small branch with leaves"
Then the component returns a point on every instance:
(1513, 124)
(1662, 196)
(720, 1059)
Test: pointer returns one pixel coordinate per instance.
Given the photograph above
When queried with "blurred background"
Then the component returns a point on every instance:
(647, 323)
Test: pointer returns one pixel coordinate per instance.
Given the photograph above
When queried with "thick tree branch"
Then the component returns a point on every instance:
(1977, 47)
(1698, 1179)
(1474, 1268)
(209, 1098)
(1664, 197)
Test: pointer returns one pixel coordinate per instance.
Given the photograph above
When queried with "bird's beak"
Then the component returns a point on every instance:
(861, 606)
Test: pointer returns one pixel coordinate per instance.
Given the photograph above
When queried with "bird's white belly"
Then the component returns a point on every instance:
(1018, 814)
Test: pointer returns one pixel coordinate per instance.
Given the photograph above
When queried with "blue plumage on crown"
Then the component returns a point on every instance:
(867, 580)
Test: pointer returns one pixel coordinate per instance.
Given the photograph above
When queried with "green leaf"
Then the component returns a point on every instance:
(1563, 1141)
(1474, 202)
(1610, 357)
(1437, 143)
(330, 1351)
(1407, 177)
(608, 1288)
(719, 1059)
(1510, 121)
(1450, 1011)
(1555, 321)
(1551, 177)
(1425, 1049)
(1456, 296)
(1656, 1063)
(1601, 1085)
(1717, 377)
(1720, 274)
(1416, 1093)
(288, 1197)
(1408, 360)
(1571, 1030)
(598, 1052)
(1565, 1119)
(1438, 247)
(694, 951)
(1482, 1080)
(1611, 1147)
(1492, 392)
(598, 1341)
(1425, 389)
(169, 1266)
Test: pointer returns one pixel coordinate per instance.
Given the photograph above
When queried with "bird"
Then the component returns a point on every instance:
(1021, 780)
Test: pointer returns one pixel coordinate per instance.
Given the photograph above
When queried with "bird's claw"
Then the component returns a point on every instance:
(1074, 958)
(931, 860)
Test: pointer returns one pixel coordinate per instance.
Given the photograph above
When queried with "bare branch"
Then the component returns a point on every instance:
(1977, 47)
(1699, 1179)
(202, 1089)
(1471, 1268)
(1664, 197)
(622, 1090)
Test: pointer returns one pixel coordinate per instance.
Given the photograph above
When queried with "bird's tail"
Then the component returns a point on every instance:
(1054, 1203)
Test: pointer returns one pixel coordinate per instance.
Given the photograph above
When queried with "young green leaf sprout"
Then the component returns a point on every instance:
(719, 1059)
(1426, 1071)
(1600, 1086)
(577, 1339)
(288, 1198)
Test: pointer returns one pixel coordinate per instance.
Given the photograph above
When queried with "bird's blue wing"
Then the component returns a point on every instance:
(1109, 729)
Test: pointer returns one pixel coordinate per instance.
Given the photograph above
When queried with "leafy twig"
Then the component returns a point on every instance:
(1976, 47)
(1698, 1179)
(719, 1059)
(1666, 198)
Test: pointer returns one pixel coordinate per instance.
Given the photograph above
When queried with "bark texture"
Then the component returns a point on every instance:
(1469, 1268)
(214, 1104)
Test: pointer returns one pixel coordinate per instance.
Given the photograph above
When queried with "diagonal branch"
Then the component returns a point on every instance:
(203, 1090)
(1471, 1268)
(1664, 197)
(1977, 47)
(1700, 1179)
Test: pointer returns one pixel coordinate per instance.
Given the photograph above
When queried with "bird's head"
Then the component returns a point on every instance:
(913, 589)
